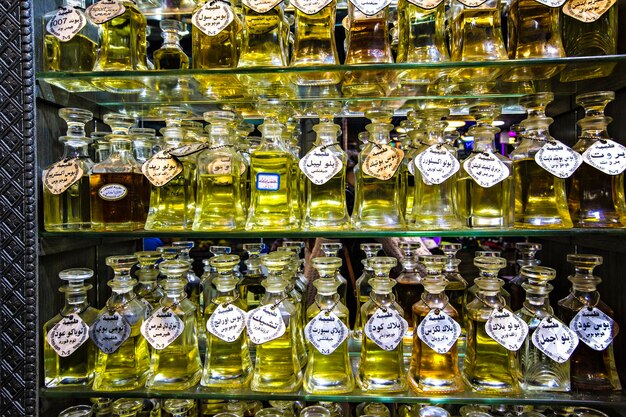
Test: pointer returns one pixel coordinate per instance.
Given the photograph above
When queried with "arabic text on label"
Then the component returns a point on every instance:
(265, 324)
(507, 329)
(558, 159)
(227, 322)
(162, 328)
(438, 331)
(595, 328)
(607, 156)
(161, 168)
(486, 169)
(320, 165)
(62, 175)
(110, 331)
(66, 23)
(555, 339)
(383, 162)
(436, 164)
(68, 335)
(326, 332)
(386, 328)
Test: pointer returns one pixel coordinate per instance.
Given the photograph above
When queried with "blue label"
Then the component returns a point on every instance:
(267, 181)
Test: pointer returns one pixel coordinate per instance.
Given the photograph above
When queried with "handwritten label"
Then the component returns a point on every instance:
(148, 311)
(558, 159)
(162, 328)
(310, 6)
(265, 324)
(594, 328)
(262, 23)
(608, 156)
(552, 3)
(266, 181)
(109, 331)
(472, 3)
(66, 23)
(486, 169)
(506, 328)
(587, 11)
(161, 168)
(68, 335)
(439, 331)
(213, 17)
(426, 4)
(326, 332)
(112, 192)
(320, 165)
(436, 164)
(370, 7)
(386, 328)
(227, 322)
(383, 162)
(62, 175)
(105, 10)
(554, 339)
(261, 6)
(188, 149)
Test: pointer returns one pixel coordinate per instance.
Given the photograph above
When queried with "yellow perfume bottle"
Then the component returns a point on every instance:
(363, 287)
(330, 249)
(456, 287)
(250, 287)
(149, 291)
(408, 286)
(193, 284)
(208, 288)
(170, 55)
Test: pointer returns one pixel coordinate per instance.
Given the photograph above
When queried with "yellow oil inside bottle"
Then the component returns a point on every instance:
(219, 203)
(76, 55)
(69, 210)
(178, 366)
(378, 368)
(168, 204)
(484, 207)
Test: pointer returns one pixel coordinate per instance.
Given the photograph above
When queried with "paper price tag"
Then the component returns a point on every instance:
(105, 10)
(265, 324)
(62, 175)
(386, 328)
(161, 168)
(383, 162)
(68, 335)
(213, 17)
(162, 328)
(267, 181)
(486, 169)
(326, 332)
(506, 328)
(558, 159)
(596, 329)
(112, 192)
(370, 7)
(320, 165)
(109, 331)
(426, 4)
(310, 6)
(261, 6)
(607, 156)
(149, 309)
(66, 23)
(555, 339)
(187, 150)
(436, 164)
(227, 322)
(439, 331)
(587, 11)
(472, 3)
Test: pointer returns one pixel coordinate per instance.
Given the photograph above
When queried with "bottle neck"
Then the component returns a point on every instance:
(433, 132)
(528, 262)
(451, 265)
(253, 265)
(76, 149)
(594, 127)
(147, 275)
(171, 39)
(534, 301)
(409, 264)
(489, 274)
(326, 301)
(219, 135)
(226, 294)
(379, 132)
(75, 302)
(274, 296)
(434, 299)
(174, 288)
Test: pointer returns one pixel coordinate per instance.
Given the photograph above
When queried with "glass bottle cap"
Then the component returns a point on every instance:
(144, 133)
(433, 411)
(538, 275)
(270, 412)
(487, 253)
(127, 407)
(172, 25)
(148, 259)
(294, 244)
(173, 268)
(379, 115)
(331, 248)
(224, 262)
(382, 264)
(594, 102)
(409, 249)
(219, 250)
(489, 284)
(326, 110)
(326, 286)
(172, 115)
(274, 284)
(433, 263)
(185, 246)
(77, 411)
(121, 263)
(489, 263)
(450, 249)
(178, 406)
(314, 411)
(253, 248)
(277, 261)
(371, 249)
(75, 274)
(484, 113)
(168, 252)
(536, 104)
(119, 123)
(221, 117)
(327, 265)
(76, 120)
(584, 264)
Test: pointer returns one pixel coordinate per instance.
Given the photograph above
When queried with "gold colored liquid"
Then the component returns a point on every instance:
(434, 206)
(358, 324)
(226, 364)
(377, 203)
(540, 198)
(220, 204)
(128, 213)
(326, 204)
(380, 370)
(485, 207)
(169, 204)
(69, 210)
(76, 55)
(170, 58)
(407, 294)
(251, 291)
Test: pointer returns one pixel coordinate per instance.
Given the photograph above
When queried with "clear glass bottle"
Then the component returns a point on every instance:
(595, 199)
(126, 407)
(328, 373)
(193, 284)
(457, 285)
(70, 210)
(218, 51)
(76, 368)
(590, 370)
(144, 142)
(127, 367)
(101, 407)
(540, 198)
(526, 252)
(331, 249)
(250, 287)
(148, 289)
(408, 286)
(208, 288)
(488, 267)
(226, 364)
(177, 407)
(363, 287)
(486, 206)
(430, 371)
(101, 146)
(537, 371)
(372, 409)
(380, 370)
(170, 55)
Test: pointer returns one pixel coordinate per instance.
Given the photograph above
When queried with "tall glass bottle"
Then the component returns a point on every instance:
(362, 285)
(208, 288)
(250, 287)
(595, 198)
(126, 368)
(170, 55)
(431, 371)
(227, 363)
(488, 267)
(328, 373)
(540, 199)
(148, 290)
(590, 369)
(193, 284)
(457, 285)
(144, 142)
(526, 252)
(70, 360)
(486, 204)
(408, 286)
(330, 249)
(70, 209)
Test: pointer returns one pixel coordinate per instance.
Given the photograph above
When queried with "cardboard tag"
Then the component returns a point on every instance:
(596, 329)
(267, 181)
(68, 335)
(472, 3)
(227, 322)
(383, 162)
(506, 328)
(370, 7)
(265, 324)
(486, 169)
(436, 164)
(386, 328)
(112, 192)
(587, 11)
(426, 4)
(161, 168)
(213, 17)
(310, 6)
(558, 159)
(62, 175)
(326, 332)
(607, 156)
(320, 165)
(187, 150)
(66, 23)
(554, 339)
(439, 331)
(110, 331)
(162, 328)
(104, 11)
(261, 6)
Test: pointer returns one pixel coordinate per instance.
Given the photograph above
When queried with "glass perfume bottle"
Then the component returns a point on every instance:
(101, 146)
(208, 288)
(408, 286)
(250, 287)
(381, 370)
(540, 199)
(328, 373)
(70, 360)
(126, 368)
(119, 191)
(70, 209)
(227, 363)
(595, 198)
(377, 202)
(457, 285)
(538, 372)
(101, 407)
(431, 371)
(489, 265)
(126, 407)
(180, 407)
(193, 284)
(590, 369)
(144, 142)
(485, 204)
(331, 249)
(220, 181)
(526, 252)
(363, 287)
(148, 289)
(170, 55)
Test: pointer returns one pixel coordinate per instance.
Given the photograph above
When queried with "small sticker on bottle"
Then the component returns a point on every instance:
(320, 165)
(266, 181)
(486, 169)
(110, 331)
(112, 192)
(555, 339)
(68, 335)
(426, 4)
(161, 168)
(265, 324)
(506, 328)
(213, 17)
(370, 7)
(436, 164)
(162, 328)
(326, 332)
(596, 329)
(472, 3)
(261, 6)
(221, 165)
(310, 6)
(438, 331)
(383, 161)
(607, 156)
(148, 308)
(66, 23)
(227, 322)
(386, 328)
(104, 11)
(587, 11)
(62, 175)
(558, 159)
(188, 149)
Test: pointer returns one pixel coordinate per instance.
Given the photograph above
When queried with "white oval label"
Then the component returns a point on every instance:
(426, 4)
(265, 324)
(320, 165)
(112, 192)
(227, 322)
(62, 175)
(506, 328)
(554, 339)
(370, 7)
(212, 18)
(104, 11)
(439, 331)
(596, 329)
(162, 328)
(261, 6)
(310, 6)
(436, 164)
(486, 169)
(587, 11)
(110, 331)
(383, 161)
